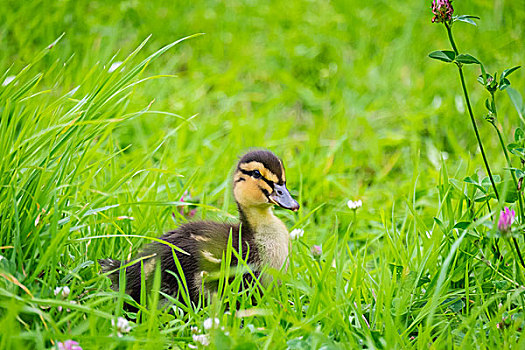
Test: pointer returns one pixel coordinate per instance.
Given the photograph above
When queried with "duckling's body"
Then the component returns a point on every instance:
(260, 237)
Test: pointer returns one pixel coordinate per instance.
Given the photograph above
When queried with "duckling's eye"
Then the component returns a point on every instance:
(256, 174)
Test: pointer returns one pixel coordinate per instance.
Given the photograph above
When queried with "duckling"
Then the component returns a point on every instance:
(259, 183)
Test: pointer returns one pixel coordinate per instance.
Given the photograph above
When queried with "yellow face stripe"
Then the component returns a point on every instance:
(267, 174)
(282, 171)
(237, 176)
(264, 185)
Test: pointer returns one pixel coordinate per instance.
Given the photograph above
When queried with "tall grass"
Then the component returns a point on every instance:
(93, 164)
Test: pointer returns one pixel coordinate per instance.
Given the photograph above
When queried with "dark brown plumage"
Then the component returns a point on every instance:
(259, 237)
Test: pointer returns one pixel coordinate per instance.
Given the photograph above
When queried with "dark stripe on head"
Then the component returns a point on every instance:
(264, 191)
(250, 173)
(268, 159)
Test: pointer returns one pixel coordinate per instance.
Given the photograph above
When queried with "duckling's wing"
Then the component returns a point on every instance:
(207, 245)
(204, 242)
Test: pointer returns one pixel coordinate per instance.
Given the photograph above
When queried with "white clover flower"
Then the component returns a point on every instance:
(354, 205)
(297, 233)
(63, 292)
(8, 80)
(114, 66)
(122, 326)
(201, 338)
(208, 323)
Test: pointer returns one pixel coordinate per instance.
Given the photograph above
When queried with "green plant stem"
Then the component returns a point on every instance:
(471, 114)
(469, 107)
(520, 200)
(451, 38)
(518, 270)
(495, 247)
(507, 158)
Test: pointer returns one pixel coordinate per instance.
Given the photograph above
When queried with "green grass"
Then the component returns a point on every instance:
(342, 91)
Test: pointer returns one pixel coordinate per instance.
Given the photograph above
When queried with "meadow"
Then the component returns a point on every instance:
(110, 112)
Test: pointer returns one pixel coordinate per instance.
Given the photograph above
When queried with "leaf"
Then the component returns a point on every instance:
(500, 284)
(488, 105)
(505, 83)
(483, 198)
(518, 134)
(488, 184)
(481, 80)
(462, 225)
(518, 151)
(457, 305)
(484, 75)
(509, 191)
(444, 55)
(470, 180)
(440, 224)
(508, 72)
(465, 58)
(486, 180)
(466, 18)
(422, 281)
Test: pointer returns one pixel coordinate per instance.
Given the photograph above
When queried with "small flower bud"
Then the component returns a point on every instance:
(506, 218)
(68, 345)
(317, 251)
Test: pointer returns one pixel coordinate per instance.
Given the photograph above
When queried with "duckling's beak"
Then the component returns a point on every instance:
(283, 198)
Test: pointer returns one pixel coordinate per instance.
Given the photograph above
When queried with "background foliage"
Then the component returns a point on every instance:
(343, 91)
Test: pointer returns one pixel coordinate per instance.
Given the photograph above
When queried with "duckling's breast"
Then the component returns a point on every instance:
(272, 240)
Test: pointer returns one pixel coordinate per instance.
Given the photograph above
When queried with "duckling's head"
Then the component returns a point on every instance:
(259, 182)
